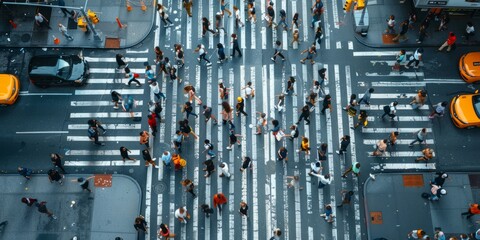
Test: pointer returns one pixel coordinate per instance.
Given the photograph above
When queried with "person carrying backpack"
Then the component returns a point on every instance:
(283, 20)
(209, 148)
(93, 135)
(390, 110)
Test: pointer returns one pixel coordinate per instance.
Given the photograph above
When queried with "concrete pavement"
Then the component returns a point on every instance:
(106, 213)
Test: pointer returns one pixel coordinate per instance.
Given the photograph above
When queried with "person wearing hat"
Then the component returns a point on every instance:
(83, 183)
(240, 106)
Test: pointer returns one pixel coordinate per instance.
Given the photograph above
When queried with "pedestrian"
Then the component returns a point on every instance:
(54, 175)
(419, 100)
(311, 101)
(328, 215)
(390, 24)
(221, 53)
(144, 138)
(352, 103)
(440, 179)
(270, 16)
(189, 186)
(317, 10)
(182, 214)
(177, 141)
(219, 199)
(278, 51)
(276, 128)
(324, 179)
(295, 38)
(148, 158)
(186, 129)
(282, 154)
(190, 91)
(469, 31)
(233, 138)
(412, 19)
(417, 57)
(207, 112)
(240, 107)
(224, 171)
(247, 163)
(152, 122)
(422, 33)
(449, 42)
(219, 23)
(295, 21)
(223, 91)
(57, 161)
(188, 109)
(25, 172)
(93, 135)
(209, 167)
(355, 168)
(206, 27)
(261, 122)
(132, 77)
(427, 155)
(120, 59)
(238, 17)
(187, 4)
(156, 91)
(316, 167)
(393, 138)
(346, 197)
(294, 182)
(202, 53)
(209, 149)
(318, 36)
(158, 55)
(400, 59)
(403, 32)
(249, 91)
(41, 21)
(243, 209)
(439, 110)
(305, 115)
(311, 52)
(64, 10)
(223, 8)
(178, 162)
(290, 86)
(179, 55)
(280, 106)
(366, 97)
(322, 152)
(164, 231)
(84, 183)
(116, 98)
(29, 201)
(436, 192)
(156, 107)
(416, 234)
(283, 20)
(165, 67)
(474, 209)
(206, 209)
(327, 103)
(42, 208)
(165, 18)
(236, 46)
(167, 159)
(390, 110)
(276, 234)
(227, 112)
(96, 124)
(150, 75)
(380, 148)
(344, 142)
(304, 146)
(64, 32)
(362, 120)
(440, 235)
(124, 153)
(444, 20)
(251, 12)
(421, 136)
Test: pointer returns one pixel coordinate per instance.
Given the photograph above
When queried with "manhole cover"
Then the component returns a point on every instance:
(26, 37)
(159, 187)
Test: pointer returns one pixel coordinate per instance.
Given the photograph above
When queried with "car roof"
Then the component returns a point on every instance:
(45, 64)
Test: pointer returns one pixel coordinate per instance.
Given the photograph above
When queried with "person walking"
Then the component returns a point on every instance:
(392, 140)
(243, 209)
(449, 42)
(124, 153)
(221, 53)
(322, 152)
(164, 231)
(355, 168)
(290, 86)
(381, 148)
(209, 149)
(417, 57)
(219, 23)
(96, 124)
(283, 20)
(182, 214)
(158, 55)
(25, 172)
(278, 51)
(152, 122)
(233, 138)
(223, 8)
(84, 183)
(422, 33)
(440, 179)
(41, 21)
(116, 98)
(65, 11)
(390, 24)
(187, 4)
(344, 142)
(186, 129)
(224, 170)
(362, 120)
(318, 36)
(150, 75)
(206, 209)
(238, 17)
(270, 15)
(206, 27)
(417, 234)
(324, 179)
(209, 167)
(261, 122)
(311, 52)
(436, 192)
(282, 154)
(54, 175)
(223, 91)
(390, 110)
(188, 109)
(276, 234)
(42, 208)
(165, 18)
(236, 46)
(427, 155)
(419, 100)
(304, 146)
(207, 113)
(294, 182)
(249, 91)
(29, 201)
(327, 103)
(439, 110)
(144, 138)
(227, 114)
(132, 77)
(469, 31)
(202, 53)
(167, 159)
(156, 91)
(93, 135)
(57, 161)
(120, 59)
(305, 115)
(189, 186)
(403, 32)
(421, 136)
(219, 199)
(64, 32)
(240, 106)
(177, 141)
(474, 209)
(247, 163)
(366, 97)
(346, 198)
(148, 158)
(328, 215)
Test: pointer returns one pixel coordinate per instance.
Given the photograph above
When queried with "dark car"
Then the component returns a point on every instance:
(47, 70)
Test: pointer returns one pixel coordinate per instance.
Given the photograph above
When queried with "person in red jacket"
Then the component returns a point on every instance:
(152, 122)
(473, 210)
(218, 200)
(449, 43)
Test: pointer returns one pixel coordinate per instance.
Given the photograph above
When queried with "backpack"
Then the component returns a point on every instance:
(283, 13)
(91, 132)
(295, 135)
(210, 146)
(386, 109)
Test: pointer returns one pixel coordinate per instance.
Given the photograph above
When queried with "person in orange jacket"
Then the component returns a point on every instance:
(449, 43)
(473, 210)
(218, 200)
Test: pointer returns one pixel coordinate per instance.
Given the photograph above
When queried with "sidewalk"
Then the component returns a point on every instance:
(394, 206)
(26, 34)
(106, 213)
(379, 11)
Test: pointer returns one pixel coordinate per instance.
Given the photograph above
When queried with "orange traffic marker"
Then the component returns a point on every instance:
(120, 25)
(144, 7)
(129, 7)
(56, 41)
(14, 25)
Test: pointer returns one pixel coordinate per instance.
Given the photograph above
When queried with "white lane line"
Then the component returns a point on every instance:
(403, 119)
(326, 29)
(103, 139)
(42, 132)
(285, 40)
(390, 96)
(264, 37)
(389, 130)
(444, 80)
(109, 59)
(26, 93)
(212, 21)
(377, 53)
(399, 107)
(405, 166)
(189, 35)
(306, 23)
(398, 142)
(395, 74)
(253, 37)
(388, 62)
(114, 70)
(269, 155)
(110, 80)
(98, 152)
(412, 154)
(141, 51)
(107, 92)
(104, 115)
(350, 45)
(101, 163)
(97, 103)
(399, 84)
(339, 45)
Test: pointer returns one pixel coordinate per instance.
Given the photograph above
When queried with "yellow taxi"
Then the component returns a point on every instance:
(465, 110)
(469, 66)
(9, 89)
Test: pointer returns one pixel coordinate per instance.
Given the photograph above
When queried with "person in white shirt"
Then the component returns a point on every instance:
(324, 179)
(41, 20)
(64, 31)
(224, 172)
(182, 214)
(469, 31)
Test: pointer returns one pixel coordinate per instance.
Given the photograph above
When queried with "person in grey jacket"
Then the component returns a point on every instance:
(366, 96)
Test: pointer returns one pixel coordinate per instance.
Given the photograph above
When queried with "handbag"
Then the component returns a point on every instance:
(396, 67)
(280, 135)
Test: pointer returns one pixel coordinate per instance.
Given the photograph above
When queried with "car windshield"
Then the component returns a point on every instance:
(476, 104)
(63, 68)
